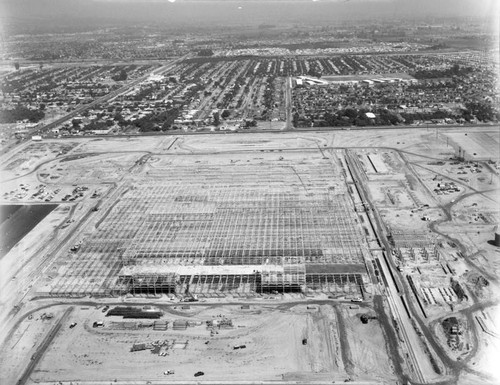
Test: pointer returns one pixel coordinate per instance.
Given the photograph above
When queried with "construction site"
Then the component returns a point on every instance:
(278, 223)
(300, 256)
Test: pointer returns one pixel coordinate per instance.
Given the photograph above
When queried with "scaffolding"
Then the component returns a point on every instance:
(415, 247)
(285, 229)
(257, 228)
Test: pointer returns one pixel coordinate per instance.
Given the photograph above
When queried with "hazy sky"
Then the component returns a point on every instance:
(429, 6)
(235, 12)
(480, 6)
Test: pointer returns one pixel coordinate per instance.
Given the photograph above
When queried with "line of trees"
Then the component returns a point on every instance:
(482, 110)
(455, 70)
(21, 113)
(157, 122)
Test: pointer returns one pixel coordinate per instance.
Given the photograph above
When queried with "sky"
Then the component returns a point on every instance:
(424, 6)
(235, 12)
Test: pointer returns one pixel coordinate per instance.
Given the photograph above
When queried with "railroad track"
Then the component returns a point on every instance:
(392, 292)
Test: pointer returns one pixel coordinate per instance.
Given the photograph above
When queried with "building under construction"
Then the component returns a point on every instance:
(411, 246)
(225, 229)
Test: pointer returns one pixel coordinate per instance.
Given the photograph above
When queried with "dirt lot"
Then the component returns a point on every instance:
(272, 336)
(22, 344)
(485, 363)
(477, 145)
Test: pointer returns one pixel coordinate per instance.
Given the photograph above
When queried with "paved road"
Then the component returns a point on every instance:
(276, 131)
(288, 103)
(37, 356)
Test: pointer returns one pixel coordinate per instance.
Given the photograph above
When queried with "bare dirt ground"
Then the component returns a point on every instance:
(23, 343)
(477, 145)
(367, 346)
(488, 356)
(272, 336)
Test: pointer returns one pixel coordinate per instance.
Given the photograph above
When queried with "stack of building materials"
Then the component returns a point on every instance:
(160, 325)
(133, 312)
(180, 325)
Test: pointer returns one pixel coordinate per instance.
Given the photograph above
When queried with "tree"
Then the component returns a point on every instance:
(216, 118)
(225, 114)
(351, 113)
(483, 110)
(20, 113)
(314, 72)
(205, 52)
(121, 76)
(250, 123)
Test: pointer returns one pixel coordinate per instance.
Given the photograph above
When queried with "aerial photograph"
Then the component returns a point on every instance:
(249, 192)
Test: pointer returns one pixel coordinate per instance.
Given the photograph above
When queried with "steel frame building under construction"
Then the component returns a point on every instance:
(213, 230)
